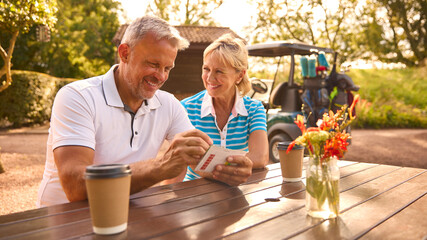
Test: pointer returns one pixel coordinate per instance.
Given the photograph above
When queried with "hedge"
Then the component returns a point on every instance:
(29, 99)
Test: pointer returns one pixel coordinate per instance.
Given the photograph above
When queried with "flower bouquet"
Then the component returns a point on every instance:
(325, 143)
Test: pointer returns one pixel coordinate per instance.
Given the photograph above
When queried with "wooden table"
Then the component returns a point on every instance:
(376, 202)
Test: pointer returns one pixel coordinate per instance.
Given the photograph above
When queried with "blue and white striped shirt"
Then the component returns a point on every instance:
(246, 116)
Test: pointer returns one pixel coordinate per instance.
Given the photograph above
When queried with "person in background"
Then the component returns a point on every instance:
(231, 119)
(122, 117)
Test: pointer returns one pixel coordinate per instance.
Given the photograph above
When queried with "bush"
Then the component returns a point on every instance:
(393, 98)
(390, 98)
(29, 99)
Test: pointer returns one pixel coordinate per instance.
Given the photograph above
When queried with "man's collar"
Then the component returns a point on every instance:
(238, 108)
(112, 97)
(153, 102)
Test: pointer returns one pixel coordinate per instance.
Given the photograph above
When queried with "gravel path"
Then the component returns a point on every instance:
(400, 147)
(23, 157)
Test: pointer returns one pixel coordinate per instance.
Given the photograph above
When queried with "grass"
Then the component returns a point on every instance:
(395, 98)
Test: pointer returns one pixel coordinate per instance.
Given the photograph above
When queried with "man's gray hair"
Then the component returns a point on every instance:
(161, 29)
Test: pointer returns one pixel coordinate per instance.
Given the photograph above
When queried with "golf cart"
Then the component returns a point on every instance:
(318, 93)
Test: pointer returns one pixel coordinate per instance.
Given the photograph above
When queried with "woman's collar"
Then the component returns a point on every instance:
(238, 108)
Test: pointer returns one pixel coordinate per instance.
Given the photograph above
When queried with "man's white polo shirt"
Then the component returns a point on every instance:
(91, 113)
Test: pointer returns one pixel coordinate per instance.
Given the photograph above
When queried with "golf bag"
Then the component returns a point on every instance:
(324, 93)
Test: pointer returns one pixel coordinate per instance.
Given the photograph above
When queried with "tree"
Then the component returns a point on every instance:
(82, 45)
(186, 12)
(20, 16)
(163, 8)
(313, 22)
(397, 30)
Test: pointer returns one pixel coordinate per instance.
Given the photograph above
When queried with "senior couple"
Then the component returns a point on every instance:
(123, 117)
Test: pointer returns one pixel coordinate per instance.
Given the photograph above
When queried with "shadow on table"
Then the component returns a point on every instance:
(328, 228)
(213, 220)
(293, 190)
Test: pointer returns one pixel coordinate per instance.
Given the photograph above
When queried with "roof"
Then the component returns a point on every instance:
(194, 34)
(203, 34)
(282, 48)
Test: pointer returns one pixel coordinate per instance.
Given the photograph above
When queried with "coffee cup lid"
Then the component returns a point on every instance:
(285, 145)
(107, 171)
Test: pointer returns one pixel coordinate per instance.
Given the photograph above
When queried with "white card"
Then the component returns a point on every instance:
(214, 156)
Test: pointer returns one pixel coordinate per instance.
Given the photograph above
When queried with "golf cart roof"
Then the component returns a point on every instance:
(283, 48)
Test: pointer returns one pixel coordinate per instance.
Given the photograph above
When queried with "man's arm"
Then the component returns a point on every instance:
(186, 148)
(71, 162)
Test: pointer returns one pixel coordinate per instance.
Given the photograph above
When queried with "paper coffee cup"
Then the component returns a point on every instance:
(291, 163)
(108, 189)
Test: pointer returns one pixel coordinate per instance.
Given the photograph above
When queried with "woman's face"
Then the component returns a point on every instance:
(219, 78)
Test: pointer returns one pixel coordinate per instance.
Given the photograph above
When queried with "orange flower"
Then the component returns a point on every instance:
(355, 100)
(336, 146)
(329, 138)
(300, 123)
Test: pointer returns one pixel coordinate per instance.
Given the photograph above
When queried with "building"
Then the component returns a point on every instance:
(185, 79)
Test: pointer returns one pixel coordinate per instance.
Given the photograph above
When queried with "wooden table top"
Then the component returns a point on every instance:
(376, 202)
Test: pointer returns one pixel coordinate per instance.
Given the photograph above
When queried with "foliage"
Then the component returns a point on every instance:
(396, 30)
(20, 16)
(395, 98)
(29, 100)
(313, 22)
(185, 12)
(390, 98)
(81, 45)
(163, 8)
(385, 30)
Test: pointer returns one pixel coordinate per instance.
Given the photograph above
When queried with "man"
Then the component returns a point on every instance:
(122, 117)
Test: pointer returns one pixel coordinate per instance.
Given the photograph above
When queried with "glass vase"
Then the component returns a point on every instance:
(322, 187)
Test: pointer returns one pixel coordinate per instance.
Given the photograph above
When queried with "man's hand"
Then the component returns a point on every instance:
(186, 148)
(238, 172)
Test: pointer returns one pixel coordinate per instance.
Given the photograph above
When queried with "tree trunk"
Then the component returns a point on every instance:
(7, 56)
(1, 165)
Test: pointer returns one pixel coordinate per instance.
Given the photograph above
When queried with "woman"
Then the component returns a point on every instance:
(230, 118)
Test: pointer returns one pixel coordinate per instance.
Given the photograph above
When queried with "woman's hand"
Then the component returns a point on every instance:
(238, 171)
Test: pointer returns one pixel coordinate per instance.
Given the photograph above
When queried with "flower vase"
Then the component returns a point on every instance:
(322, 187)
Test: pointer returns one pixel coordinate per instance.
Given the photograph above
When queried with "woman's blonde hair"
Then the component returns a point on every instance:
(232, 51)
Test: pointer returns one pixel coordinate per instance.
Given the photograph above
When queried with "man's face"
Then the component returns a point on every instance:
(147, 66)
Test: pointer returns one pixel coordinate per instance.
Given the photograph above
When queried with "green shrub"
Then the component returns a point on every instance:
(29, 99)
(395, 98)
(390, 98)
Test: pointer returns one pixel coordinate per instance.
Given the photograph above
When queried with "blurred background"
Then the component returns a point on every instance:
(381, 45)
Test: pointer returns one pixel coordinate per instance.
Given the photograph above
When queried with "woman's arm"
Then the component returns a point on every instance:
(258, 148)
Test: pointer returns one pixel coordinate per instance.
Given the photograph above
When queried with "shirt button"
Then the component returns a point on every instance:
(136, 133)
